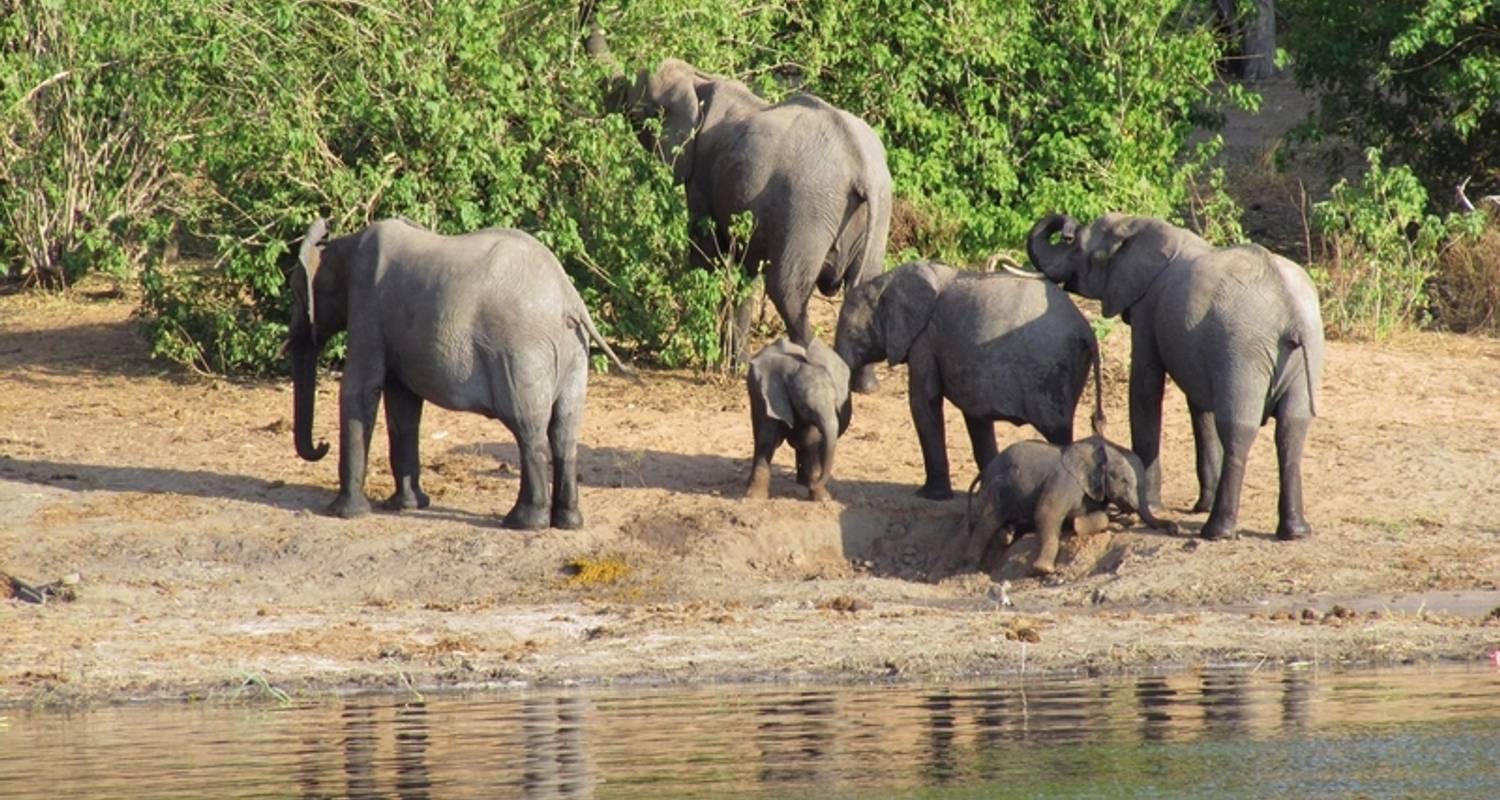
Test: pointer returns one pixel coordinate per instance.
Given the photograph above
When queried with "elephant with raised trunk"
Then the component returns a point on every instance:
(1237, 329)
(797, 394)
(485, 322)
(1038, 486)
(999, 346)
(813, 176)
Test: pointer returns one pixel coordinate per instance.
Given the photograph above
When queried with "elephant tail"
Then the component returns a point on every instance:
(1307, 376)
(598, 339)
(875, 197)
(1096, 420)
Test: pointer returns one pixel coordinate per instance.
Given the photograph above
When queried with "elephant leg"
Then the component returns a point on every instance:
(817, 472)
(1291, 434)
(739, 329)
(562, 437)
(403, 421)
(981, 439)
(1210, 458)
(1091, 523)
(1147, 384)
(1236, 437)
(533, 507)
(1050, 514)
(359, 394)
(768, 437)
(927, 416)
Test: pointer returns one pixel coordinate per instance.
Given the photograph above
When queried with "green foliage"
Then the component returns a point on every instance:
(1419, 80)
(250, 119)
(1380, 249)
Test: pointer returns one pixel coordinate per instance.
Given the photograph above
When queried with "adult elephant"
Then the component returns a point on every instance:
(998, 346)
(485, 322)
(1237, 329)
(814, 178)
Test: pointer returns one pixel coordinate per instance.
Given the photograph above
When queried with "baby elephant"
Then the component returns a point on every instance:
(799, 394)
(1037, 486)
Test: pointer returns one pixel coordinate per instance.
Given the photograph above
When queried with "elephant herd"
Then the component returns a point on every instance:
(489, 322)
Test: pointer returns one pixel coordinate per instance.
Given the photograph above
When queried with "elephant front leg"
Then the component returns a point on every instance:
(357, 402)
(927, 416)
(1050, 515)
(982, 439)
(1291, 434)
(403, 422)
(766, 441)
(1210, 458)
(1147, 383)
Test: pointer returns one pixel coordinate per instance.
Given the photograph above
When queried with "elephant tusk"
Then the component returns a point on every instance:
(1012, 266)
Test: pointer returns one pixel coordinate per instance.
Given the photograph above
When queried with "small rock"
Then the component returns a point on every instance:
(1191, 544)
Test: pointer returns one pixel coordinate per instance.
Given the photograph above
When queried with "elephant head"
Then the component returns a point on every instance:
(318, 312)
(1114, 259)
(1110, 474)
(881, 317)
(669, 94)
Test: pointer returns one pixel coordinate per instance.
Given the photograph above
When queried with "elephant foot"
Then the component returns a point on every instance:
(1215, 531)
(1292, 531)
(406, 501)
(759, 487)
(568, 519)
(865, 382)
(349, 506)
(1204, 505)
(936, 491)
(527, 518)
(819, 494)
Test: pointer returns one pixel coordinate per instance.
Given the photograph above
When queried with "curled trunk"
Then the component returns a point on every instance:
(1044, 255)
(304, 393)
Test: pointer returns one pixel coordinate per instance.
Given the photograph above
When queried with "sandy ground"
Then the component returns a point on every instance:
(205, 562)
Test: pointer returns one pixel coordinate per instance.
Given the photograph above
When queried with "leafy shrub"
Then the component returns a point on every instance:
(1420, 80)
(1380, 249)
(1466, 289)
(256, 117)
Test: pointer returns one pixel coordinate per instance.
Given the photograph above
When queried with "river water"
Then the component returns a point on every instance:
(1213, 733)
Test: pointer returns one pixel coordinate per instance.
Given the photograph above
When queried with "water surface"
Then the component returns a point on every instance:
(1221, 733)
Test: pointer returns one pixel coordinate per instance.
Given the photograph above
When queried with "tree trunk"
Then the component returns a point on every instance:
(1260, 41)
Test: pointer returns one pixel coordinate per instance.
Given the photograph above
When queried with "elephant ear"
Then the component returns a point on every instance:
(906, 305)
(311, 257)
(768, 377)
(674, 90)
(822, 356)
(1130, 257)
(1085, 462)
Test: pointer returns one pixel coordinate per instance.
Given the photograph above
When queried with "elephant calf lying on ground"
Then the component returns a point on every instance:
(802, 395)
(1037, 486)
(485, 322)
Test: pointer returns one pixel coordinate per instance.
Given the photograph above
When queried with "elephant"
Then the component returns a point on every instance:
(485, 322)
(813, 176)
(797, 394)
(1039, 486)
(1236, 328)
(997, 345)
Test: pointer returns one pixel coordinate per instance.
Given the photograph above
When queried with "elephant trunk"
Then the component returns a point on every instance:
(1143, 508)
(1044, 255)
(828, 427)
(304, 392)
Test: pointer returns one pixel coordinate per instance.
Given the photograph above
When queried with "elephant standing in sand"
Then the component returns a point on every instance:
(1237, 328)
(998, 346)
(814, 178)
(485, 322)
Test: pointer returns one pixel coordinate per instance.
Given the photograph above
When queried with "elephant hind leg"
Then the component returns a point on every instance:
(1291, 435)
(1210, 458)
(532, 509)
(562, 436)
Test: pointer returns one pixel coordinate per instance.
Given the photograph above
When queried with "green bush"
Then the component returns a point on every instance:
(1380, 251)
(260, 116)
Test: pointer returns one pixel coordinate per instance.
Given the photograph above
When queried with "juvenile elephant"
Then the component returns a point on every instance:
(814, 178)
(1237, 328)
(485, 322)
(1038, 486)
(998, 346)
(797, 394)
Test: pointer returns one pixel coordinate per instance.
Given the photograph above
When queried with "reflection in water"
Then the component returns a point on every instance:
(1286, 734)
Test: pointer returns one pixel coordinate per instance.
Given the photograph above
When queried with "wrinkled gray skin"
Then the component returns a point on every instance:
(1038, 486)
(484, 322)
(1237, 329)
(813, 176)
(1000, 347)
(799, 395)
